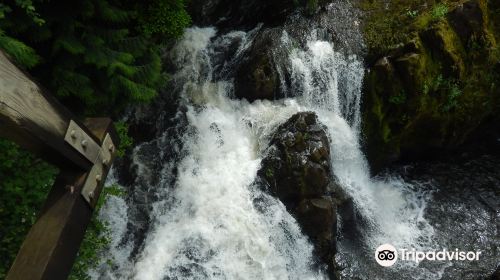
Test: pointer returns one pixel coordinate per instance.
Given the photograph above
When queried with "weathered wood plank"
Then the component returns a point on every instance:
(35, 119)
(50, 248)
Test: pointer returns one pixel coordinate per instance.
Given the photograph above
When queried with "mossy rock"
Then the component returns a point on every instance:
(296, 166)
(433, 92)
(297, 170)
(445, 46)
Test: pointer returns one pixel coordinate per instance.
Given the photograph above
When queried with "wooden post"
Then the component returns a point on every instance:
(34, 119)
(50, 248)
(83, 152)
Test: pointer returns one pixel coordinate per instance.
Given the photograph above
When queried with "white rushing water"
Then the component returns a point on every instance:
(217, 225)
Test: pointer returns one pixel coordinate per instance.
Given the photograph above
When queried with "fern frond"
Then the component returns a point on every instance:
(111, 13)
(21, 53)
(70, 44)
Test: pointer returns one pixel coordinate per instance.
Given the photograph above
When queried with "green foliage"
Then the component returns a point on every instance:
(388, 24)
(96, 239)
(125, 140)
(25, 5)
(20, 52)
(269, 173)
(96, 55)
(412, 13)
(399, 98)
(439, 11)
(449, 88)
(23, 54)
(454, 92)
(433, 85)
(164, 18)
(24, 184)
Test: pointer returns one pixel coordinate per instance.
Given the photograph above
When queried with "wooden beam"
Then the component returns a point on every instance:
(35, 119)
(52, 244)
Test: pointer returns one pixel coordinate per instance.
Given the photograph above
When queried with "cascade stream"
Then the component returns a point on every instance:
(192, 210)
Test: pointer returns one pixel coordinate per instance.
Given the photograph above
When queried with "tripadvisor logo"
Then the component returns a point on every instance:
(387, 255)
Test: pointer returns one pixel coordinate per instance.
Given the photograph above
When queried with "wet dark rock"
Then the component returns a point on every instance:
(317, 217)
(136, 170)
(297, 164)
(248, 13)
(496, 274)
(265, 71)
(463, 208)
(297, 171)
(257, 77)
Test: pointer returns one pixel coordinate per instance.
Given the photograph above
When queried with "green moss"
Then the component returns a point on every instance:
(439, 11)
(269, 173)
(454, 92)
(390, 23)
(445, 47)
(398, 99)
(450, 88)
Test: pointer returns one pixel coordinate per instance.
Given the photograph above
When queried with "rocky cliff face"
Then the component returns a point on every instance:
(438, 87)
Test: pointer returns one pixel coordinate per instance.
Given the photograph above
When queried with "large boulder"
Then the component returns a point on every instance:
(297, 171)
(297, 164)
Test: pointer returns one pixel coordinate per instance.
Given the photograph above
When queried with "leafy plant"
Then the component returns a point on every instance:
(164, 19)
(398, 99)
(97, 56)
(439, 11)
(125, 140)
(454, 92)
(24, 184)
(269, 173)
(411, 13)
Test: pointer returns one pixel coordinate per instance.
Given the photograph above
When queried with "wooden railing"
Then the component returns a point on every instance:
(83, 151)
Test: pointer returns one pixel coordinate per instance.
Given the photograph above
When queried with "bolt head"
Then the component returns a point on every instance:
(98, 177)
(84, 143)
(73, 133)
(91, 195)
(111, 147)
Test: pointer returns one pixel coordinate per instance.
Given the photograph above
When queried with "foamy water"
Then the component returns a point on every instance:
(213, 223)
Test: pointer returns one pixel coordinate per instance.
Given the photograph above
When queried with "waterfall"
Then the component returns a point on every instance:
(208, 220)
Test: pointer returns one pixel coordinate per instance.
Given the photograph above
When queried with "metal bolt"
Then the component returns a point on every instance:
(98, 177)
(105, 161)
(73, 134)
(84, 143)
(91, 195)
(111, 147)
